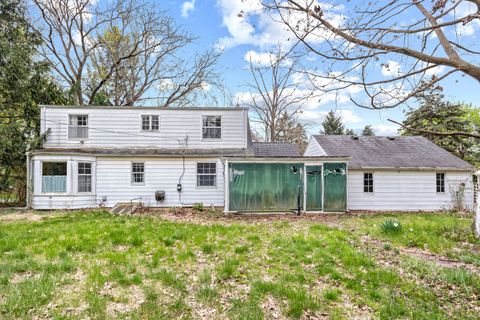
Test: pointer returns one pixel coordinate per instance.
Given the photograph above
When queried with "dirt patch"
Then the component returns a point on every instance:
(427, 255)
(125, 299)
(271, 308)
(27, 216)
(22, 276)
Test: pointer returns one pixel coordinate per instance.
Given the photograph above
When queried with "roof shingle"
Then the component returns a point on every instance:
(275, 149)
(390, 152)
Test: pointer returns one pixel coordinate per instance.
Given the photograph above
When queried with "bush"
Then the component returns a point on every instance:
(198, 207)
(391, 227)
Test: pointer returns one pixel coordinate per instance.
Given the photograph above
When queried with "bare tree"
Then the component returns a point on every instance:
(120, 52)
(273, 93)
(417, 44)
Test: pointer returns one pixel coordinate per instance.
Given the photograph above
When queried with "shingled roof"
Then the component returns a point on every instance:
(275, 149)
(390, 152)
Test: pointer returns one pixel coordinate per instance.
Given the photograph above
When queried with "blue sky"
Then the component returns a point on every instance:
(215, 23)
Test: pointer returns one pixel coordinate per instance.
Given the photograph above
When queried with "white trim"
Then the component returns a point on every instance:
(215, 187)
(138, 184)
(226, 185)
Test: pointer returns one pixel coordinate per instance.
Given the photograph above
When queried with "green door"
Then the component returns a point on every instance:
(314, 188)
(335, 184)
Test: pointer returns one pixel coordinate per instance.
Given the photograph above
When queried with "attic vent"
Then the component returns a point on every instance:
(355, 137)
(391, 138)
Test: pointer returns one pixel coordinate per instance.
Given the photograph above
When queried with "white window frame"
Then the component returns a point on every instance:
(84, 175)
(216, 127)
(83, 127)
(442, 185)
(150, 118)
(132, 174)
(372, 185)
(66, 179)
(206, 174)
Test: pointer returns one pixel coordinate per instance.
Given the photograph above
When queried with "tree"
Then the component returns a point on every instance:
(434, 114)
(120, 52)
(24, 82)
(273, 93)
(291, 130)
(349, 132)
(333, 124)
(368, 131)
(414, 56)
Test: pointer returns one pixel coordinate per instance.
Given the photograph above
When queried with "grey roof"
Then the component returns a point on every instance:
(390, 152)
(275, 149)
(144, 107)
(218, 152)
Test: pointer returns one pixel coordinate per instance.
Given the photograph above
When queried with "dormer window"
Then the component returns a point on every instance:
(78, 126)
(212, 127)
(150, 123)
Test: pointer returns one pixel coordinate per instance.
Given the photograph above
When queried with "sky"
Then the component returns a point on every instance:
(217, 24)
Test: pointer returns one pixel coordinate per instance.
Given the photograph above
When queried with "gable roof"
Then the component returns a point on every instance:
(275, 149)
(390, 152)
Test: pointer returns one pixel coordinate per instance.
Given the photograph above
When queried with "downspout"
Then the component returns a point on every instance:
(27, 196)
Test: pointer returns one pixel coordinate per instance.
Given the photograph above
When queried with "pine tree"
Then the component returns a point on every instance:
(333, 124)
(291, 130)
(368, 131)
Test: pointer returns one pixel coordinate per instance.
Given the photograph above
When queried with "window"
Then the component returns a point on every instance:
(54, 177)
(440, 182)
(150, 123)
(84, 177)
(212, 127)
(206, 174)
(138, 173)
(78, 126)
(368, 182)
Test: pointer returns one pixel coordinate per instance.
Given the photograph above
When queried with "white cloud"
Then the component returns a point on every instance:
(264, 58)
(248, 23)
(187, 6)
(348, 116)
(385, 130)
(391, 69)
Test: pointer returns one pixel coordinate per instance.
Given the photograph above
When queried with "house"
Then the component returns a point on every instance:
(163, 157)
(399, 173)
(166, 157)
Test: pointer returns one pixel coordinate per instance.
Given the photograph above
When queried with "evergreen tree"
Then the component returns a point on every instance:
(349, 132)
(333, 124)
(24, 83)
(291, 130)
(437, 115)
(368, 131)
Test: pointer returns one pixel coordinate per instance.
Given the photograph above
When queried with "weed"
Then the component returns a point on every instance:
(198, 207)
(391, 227)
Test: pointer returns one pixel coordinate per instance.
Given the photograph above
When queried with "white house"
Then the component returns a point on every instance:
(399, 173)
(172, 157)
(165, 157)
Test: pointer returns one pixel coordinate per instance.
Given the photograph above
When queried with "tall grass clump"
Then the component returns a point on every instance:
(391, 227)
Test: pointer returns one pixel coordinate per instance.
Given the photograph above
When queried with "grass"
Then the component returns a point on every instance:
(93, 264)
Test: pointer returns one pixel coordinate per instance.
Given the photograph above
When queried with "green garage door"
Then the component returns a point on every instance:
(335, 184)
(265, 186)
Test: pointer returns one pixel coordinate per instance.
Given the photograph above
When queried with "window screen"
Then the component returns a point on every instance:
(150, 123)
(84, 177)
(206, 174)
(212, 127)
(54, 177)
(368, 182)
(440, 182)
(78, 126)
(138, 173)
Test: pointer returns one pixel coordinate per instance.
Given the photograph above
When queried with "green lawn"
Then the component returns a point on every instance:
(93, 264)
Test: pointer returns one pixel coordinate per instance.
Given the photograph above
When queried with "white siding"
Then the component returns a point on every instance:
(313, 149)
(114, 182)
(111, 178)
(405, 190)
(121, 128)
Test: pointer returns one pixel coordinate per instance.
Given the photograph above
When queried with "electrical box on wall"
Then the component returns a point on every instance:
(179, 187)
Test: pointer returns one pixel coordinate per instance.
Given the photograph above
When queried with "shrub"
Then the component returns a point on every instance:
(198, 207)
(391, 227)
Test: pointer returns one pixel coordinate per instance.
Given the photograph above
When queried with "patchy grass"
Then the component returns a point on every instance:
(447, 234)
(95, 265)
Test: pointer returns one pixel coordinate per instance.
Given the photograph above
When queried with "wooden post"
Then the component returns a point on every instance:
(476, 224)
